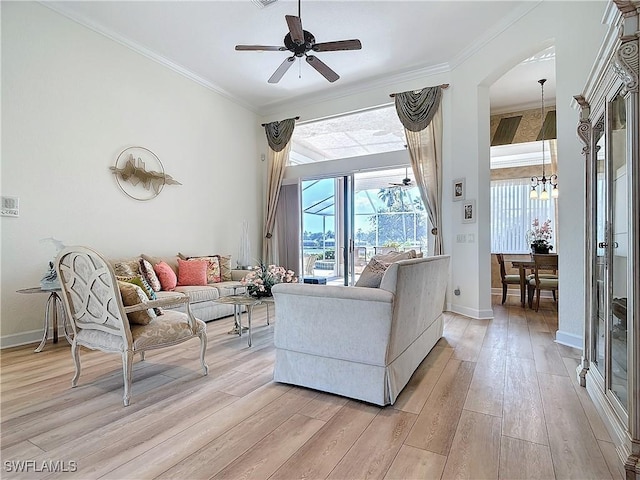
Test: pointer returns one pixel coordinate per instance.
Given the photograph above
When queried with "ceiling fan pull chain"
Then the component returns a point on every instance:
(299, 68)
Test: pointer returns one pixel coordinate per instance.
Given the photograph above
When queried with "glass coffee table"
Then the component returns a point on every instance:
(249, 302)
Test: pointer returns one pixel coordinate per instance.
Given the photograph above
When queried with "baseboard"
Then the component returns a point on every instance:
(569, 339)
(25, 338)
(510, 291)
(470, 312)
(513, 292)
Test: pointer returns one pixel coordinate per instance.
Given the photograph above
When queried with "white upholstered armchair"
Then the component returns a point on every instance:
(100, 320)
(359, 342)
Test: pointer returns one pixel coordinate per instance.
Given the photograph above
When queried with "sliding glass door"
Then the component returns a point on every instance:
(388, 215)
(348, 219)
(326, 228)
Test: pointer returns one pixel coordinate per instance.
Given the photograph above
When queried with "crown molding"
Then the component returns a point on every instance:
(521, 107)
(359, 87)
(85, 22)
(503, 25)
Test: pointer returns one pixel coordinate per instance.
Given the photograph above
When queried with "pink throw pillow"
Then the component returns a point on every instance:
(166, 275)
(192, 272)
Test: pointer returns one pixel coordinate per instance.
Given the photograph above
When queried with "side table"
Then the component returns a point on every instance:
(237, 311)
(53, 305)
(239, 300)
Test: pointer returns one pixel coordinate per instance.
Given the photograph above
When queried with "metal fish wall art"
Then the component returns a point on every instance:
(135, 172)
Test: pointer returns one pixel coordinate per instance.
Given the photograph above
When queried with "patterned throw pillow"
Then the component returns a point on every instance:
(140, 281)
(166, 275)
(225, 267)
(395, 256)
(213, 267)
(146, 270)
(192, 272)
(372, 274)
(134, 295)
(127, 268)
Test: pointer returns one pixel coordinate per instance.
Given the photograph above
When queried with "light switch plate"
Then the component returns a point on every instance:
(10, 206)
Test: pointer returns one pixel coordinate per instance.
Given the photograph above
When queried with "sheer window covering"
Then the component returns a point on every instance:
(512, 212)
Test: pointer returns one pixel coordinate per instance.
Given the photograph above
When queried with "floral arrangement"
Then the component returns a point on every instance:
(540, 234)
(260, 280)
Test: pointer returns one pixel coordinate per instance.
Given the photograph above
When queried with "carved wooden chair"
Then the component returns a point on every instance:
(544, 276)
(99, 319)
(506, 279)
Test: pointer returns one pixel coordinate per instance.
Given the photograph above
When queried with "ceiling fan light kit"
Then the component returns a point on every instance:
(300, 42)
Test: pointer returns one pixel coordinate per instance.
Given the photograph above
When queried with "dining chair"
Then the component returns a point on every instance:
(506, 279)
(544, 276)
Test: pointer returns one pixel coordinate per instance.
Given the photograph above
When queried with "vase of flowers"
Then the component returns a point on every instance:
(263, 277)
(539, 236)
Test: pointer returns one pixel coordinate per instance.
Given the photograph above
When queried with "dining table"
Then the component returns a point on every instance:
(523, 266)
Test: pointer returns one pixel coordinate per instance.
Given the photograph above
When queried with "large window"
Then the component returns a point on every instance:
(377, 130)
(512, 213)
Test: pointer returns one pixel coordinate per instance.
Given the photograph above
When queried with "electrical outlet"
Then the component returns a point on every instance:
(461, 238)
(471, 238)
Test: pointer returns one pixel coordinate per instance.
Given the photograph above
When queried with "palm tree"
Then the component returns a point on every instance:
(392, 196)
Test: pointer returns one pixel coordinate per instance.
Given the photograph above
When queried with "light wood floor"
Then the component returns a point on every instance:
(494, 399)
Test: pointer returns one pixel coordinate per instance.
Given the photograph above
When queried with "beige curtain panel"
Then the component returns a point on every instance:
(421, 116)
(279, 140)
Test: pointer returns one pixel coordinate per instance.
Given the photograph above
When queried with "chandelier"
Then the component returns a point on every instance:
(550, 183)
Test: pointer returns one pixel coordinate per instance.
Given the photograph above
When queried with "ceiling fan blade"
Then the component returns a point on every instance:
(322, 68)
(266, 48)
(295, 29)
(281, 70)
(339, 45)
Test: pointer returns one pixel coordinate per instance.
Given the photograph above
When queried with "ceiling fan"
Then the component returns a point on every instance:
(300, 42)
(406, 181)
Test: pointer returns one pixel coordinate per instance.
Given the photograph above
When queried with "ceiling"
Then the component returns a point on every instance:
(401, 40)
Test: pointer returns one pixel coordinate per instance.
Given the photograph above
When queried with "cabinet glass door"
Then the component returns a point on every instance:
(599, 265)
(618, 249)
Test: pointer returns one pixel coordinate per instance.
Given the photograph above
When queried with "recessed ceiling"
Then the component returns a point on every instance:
(399, 39)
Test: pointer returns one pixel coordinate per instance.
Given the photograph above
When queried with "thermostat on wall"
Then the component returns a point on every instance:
(10, 206)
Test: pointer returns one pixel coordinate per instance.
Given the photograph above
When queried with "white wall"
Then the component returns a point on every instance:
(576, 30)
(71, 101)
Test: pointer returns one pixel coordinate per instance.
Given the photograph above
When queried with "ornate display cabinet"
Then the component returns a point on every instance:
(608, 127)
